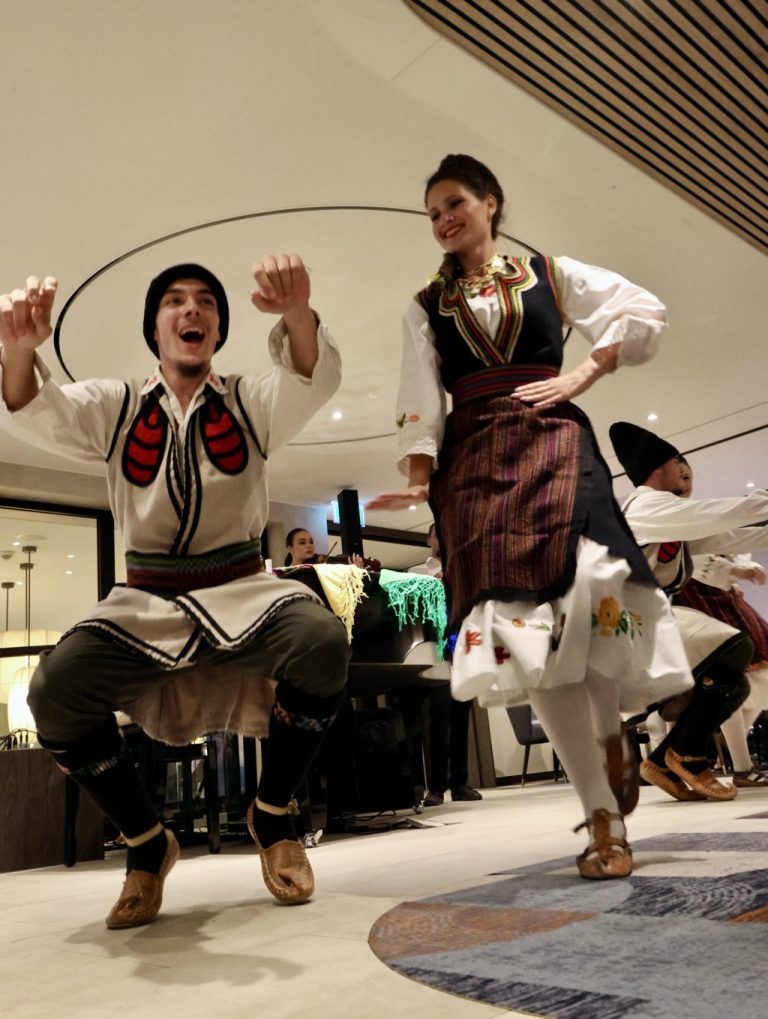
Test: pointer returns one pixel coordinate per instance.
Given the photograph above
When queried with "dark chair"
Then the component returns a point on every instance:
(528, 733)
(152, 759)
(182, 820)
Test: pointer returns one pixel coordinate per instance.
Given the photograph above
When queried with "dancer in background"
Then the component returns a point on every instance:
(715, 589)
(671, 528)
(551, 596)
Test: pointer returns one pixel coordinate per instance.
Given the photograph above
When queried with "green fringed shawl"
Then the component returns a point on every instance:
(417, 598)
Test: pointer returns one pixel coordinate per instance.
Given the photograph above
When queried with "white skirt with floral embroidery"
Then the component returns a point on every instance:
(606, 624)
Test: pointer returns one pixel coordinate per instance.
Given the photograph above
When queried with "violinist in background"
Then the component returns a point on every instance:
(301, 552)
(301, 548)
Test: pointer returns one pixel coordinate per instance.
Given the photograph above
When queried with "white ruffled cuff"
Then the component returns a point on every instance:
(638, 339)
(426, 445)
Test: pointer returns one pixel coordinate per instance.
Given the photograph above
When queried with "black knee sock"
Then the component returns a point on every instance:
(715, 698)
(101, 765)
(297, 728)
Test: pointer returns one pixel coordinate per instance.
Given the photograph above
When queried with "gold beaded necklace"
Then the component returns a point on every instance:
(477, 279)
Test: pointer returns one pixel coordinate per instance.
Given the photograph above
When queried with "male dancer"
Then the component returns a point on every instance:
(185, 452)
(670, 528)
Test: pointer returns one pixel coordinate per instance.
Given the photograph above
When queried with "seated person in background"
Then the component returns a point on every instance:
(714, 589)
(448, 719)
(301, 552)
(671, 528)
(301, 548)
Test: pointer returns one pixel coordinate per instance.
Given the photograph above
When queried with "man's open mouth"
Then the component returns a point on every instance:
(192, 335)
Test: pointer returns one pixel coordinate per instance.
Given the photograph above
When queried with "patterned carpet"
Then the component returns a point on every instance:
(684, 937)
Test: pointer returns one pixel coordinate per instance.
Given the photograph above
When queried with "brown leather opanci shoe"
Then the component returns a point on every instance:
(607, 856)
(286, 870)
(703, 782)
(663, 778)
(142, 893)
(753, 779)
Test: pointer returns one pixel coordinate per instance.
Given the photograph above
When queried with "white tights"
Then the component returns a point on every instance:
(578, 718)
(736, 728)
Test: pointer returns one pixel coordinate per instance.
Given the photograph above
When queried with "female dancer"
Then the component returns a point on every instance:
(551, 596)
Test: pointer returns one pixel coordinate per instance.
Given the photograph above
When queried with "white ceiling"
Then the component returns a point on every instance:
(124, 123)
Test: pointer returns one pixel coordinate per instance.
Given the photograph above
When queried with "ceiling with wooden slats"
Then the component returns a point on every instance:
(679, 87)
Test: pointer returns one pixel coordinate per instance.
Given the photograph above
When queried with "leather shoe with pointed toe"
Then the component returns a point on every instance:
(668, 781)
(286, 870)
(142, 893)
(703, 782)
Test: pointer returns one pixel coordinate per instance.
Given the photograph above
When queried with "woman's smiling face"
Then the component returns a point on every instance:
(460, 220)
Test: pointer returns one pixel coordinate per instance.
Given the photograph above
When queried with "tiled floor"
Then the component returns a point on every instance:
(221, 948)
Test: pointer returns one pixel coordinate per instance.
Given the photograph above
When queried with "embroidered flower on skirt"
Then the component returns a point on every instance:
(505, 649)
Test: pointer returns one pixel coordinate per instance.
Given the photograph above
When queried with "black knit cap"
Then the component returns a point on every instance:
(639, 451)
(159, 285)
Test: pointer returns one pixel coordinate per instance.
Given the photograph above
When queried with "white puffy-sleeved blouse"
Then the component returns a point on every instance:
(603, 306)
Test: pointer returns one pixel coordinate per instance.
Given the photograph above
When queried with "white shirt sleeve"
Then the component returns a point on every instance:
(77, 420)
(282, 401)
(607, 309)
(708, 525)
(715, 570)
(421, 401)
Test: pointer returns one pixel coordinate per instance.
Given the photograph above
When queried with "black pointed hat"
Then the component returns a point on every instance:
(639, 451)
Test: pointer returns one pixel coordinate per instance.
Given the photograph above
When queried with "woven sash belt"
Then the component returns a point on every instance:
(500, 381)
(164, 574)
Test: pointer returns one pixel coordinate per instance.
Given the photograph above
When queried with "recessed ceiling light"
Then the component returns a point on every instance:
(412, 507)
(70, 555)
(68, 572)
(750, 484)
(653, 417)
(16, 543)
(337, 415)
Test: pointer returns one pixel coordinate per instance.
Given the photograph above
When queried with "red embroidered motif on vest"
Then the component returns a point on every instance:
(668, 550)
(223, 438)
(145, 444)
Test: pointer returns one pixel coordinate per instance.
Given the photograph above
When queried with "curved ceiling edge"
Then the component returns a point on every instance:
(223, 222)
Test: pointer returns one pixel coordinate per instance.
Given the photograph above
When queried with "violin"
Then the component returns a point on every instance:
(368, 563)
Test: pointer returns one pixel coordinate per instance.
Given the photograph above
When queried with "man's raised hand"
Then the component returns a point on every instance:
(282, 284)
(25, 315)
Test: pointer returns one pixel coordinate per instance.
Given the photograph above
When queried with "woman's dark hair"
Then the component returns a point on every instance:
(482, 182)
(289, 541)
